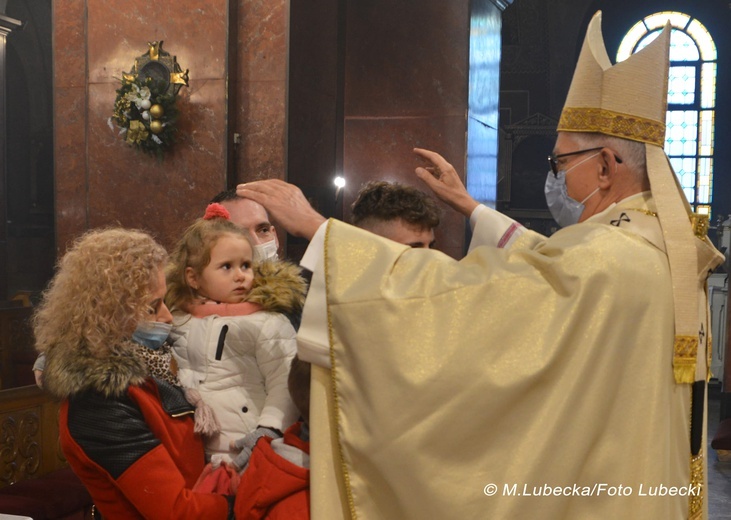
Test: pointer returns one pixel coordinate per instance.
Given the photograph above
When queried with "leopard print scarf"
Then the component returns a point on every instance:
(160, 363)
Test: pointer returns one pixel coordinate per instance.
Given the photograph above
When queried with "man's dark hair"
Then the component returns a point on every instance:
(385, 201)
(229, 194)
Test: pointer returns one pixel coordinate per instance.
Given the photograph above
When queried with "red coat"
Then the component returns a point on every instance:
(272, 487)
(150, 457)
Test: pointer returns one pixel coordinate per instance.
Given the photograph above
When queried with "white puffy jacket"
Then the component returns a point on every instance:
(240, 365)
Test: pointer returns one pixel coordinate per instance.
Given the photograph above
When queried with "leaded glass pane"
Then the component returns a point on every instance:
(681, 85)
(690, 195)
(658, 20)
(685, 170)
(703, 193)
(630, 39)
(706, 132)
(708, 85)
(682, 132)
(703, 38)
(647, 40)
(682, 47)
(705, 165)
(690, 133)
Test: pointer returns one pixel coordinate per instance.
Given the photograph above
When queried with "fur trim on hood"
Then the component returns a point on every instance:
(71, 370)
(278, 287)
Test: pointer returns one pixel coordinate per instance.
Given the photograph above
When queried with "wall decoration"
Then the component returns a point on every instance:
(144, 109)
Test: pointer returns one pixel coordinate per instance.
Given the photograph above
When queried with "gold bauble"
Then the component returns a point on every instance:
(155, 127)
(157, 111)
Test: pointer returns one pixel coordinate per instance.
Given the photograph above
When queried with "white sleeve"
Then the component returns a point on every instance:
(275, 347)
(313, 343)
(492, 228)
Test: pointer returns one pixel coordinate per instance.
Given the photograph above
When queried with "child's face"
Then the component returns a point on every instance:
(228, 276)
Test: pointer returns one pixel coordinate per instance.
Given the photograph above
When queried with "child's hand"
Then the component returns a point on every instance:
(242, 459)
(247, 442)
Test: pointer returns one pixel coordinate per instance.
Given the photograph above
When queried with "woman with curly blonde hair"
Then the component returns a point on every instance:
(101, 292)
(128, 436)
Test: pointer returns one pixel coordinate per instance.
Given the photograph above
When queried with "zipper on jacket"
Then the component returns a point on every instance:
(221, 341)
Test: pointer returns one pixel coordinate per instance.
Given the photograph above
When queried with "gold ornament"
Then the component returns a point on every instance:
(157, 111)
(155, 127)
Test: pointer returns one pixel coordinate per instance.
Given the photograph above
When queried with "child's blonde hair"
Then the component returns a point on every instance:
(194, 250)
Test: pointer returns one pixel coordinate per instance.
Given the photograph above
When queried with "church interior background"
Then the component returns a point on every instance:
(310, 90)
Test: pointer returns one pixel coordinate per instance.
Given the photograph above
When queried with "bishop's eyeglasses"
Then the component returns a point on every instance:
(553, 159)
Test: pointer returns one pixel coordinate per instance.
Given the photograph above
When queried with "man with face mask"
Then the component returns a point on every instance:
(539, 377)
(253, 217)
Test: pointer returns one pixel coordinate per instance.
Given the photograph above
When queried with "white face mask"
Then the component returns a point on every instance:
(564, 209)
(265, 251)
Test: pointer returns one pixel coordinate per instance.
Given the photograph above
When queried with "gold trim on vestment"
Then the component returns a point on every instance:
(700, 224)
(695, 502)
(335, 412)
(709, 356)
(684, 357)
(645, 211)
(613, 123)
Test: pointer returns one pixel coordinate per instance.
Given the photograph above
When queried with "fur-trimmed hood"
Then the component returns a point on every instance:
(278, 287)
(73, 369)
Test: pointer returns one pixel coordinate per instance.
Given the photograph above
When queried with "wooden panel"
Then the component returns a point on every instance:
(28, 435)
(16, 346)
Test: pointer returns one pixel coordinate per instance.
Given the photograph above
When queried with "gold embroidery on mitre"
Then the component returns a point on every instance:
(608, 122)
(686, 350)
(700, 224)
(695, 500)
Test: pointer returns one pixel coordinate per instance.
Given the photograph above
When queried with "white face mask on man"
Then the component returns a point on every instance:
(265, 251)
(564, 209)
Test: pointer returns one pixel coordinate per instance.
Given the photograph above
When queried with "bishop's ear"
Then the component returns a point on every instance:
(609, 166)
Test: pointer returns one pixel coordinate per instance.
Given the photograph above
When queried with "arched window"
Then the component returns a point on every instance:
(691, 99)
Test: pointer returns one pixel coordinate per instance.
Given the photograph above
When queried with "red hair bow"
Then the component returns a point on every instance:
(215, 210)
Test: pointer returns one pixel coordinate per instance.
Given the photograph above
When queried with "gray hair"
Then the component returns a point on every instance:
(632, 153)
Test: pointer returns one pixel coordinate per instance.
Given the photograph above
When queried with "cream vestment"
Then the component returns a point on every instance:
(538, 377)
(540, 369)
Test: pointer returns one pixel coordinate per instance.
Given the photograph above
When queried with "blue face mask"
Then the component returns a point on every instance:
(564, 209)
(152, 334)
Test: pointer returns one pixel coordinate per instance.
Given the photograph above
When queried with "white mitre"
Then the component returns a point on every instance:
(629, 100)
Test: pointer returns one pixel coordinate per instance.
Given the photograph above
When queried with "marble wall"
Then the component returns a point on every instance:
(362, 84)
(416, 97)
(375, 80)
(100, 180)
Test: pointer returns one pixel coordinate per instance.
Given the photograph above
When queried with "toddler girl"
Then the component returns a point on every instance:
(231, 340)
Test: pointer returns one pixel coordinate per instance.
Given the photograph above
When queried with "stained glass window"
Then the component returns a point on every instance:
(691, 99)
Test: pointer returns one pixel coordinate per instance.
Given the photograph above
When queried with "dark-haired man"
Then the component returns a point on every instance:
(398, 212)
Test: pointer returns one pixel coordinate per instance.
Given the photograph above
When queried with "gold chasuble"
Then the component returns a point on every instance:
(561, 378)
(534, 382)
